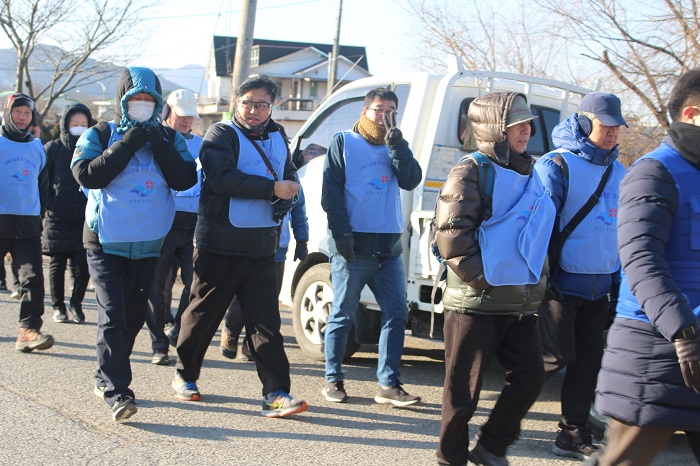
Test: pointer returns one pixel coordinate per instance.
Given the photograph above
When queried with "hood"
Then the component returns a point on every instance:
(567, 135)
(8, 127)
(135, 80)
(66, 139)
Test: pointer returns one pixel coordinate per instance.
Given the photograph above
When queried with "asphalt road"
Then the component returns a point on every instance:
(50, 415)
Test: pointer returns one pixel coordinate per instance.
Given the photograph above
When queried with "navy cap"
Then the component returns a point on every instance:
(606, 107)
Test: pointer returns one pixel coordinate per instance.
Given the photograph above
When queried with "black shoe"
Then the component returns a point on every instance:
(123, 408)
(481, 456)
(577, 443)
(396, 396)
(3, 286)
(60, 315)
(160, 358)
(78, 314)
(335, 392)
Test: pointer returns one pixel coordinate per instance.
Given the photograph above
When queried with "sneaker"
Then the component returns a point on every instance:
(282, 404)
(123, 408)
(480, 455)
(78, 314)
(229, 344)
(15, 294)
(335, 392)
(396, 396)
(577, 443)
(99, 391)
(160, 358)
(30, 339)
(60, 315)
(186, 391)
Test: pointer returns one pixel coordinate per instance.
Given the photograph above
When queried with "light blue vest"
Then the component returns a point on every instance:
(21, 163)
(188, 201)
(683, 246)
(372, 197)
(514, 240)
(257, 213)
(137, 205)
(592, 247)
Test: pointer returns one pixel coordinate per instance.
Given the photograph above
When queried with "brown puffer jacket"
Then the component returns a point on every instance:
(457, 218)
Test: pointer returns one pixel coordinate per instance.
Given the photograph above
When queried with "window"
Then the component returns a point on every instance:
(255, 56)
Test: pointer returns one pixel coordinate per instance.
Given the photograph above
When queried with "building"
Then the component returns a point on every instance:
(300, 68)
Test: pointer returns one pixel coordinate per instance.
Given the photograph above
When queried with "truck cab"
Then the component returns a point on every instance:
(432, 116)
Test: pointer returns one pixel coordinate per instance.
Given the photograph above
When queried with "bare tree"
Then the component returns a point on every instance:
(70, 35)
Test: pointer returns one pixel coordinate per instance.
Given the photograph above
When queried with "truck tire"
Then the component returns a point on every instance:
(312, 305)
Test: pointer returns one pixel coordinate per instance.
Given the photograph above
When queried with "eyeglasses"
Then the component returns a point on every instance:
(381, 111)
(248, 104)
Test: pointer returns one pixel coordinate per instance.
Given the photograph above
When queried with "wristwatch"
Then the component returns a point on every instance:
(687, 333)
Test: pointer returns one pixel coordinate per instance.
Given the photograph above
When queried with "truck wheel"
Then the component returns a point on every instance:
(312, 305)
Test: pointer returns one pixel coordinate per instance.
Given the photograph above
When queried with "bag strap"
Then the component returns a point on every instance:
(262, 156)
(487, 179)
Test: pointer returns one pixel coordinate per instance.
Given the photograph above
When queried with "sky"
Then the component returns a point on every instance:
(183, 29)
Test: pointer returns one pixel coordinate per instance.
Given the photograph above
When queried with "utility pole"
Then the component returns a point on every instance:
(244, 44)
(332, 73)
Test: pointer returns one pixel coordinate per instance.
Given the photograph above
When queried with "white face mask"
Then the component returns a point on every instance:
(140, 110)
(77, 130)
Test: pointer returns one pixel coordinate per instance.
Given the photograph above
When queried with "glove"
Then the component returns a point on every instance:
(301, 250)
(134, 139)
(688, 351)
(156, 137)
(552, 292)
(393, 134)
(344, 244)
(281, 208)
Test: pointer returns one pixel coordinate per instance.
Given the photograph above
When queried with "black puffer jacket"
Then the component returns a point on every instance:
(65, 209)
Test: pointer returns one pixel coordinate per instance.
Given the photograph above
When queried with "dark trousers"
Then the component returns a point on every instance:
(217, 279)
(571, 332)
(3, 276)
(233, 320)
(630, 444)
(77, 264)
(121, 292)
(471, 341)
(27, 262)
(177, 246)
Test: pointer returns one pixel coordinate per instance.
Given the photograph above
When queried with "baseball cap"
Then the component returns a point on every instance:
(519, 112)
(183, 103)
(606, 107)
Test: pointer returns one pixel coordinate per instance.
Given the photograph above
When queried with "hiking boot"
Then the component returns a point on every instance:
(480, 455)
(280, 404)
(396, 396)
(30, 339)
(123, 408)
(77, 311)
(186, 391)
(160, 358)
(99, 391)
(60, 315)
(335, 392)
(229, 344)
(576, 443)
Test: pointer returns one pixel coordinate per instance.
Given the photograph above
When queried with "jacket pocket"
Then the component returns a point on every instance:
(694, 222)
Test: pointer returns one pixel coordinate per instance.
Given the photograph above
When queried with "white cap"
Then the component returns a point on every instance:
(183, 103)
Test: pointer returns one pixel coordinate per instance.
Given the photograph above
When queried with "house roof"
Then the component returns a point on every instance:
(269, 50)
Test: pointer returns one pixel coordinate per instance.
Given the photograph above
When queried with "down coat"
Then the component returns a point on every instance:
(457, 219)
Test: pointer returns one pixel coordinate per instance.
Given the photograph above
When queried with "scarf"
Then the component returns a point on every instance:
(687, 140)
(373, 132)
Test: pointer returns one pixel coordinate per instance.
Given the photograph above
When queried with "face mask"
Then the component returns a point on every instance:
(140, 110)
(77, 130)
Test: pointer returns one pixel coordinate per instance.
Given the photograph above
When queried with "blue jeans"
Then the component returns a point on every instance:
(387, 280)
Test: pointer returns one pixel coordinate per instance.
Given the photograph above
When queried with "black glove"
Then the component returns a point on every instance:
(156, 137)
(552, 292)
(688, 351)
(281, 208)
(344, 244)
(134, 139)
(393, 134)
(301, 251)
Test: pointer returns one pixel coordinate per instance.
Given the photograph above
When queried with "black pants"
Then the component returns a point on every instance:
(177, 246)
(77, 264)
(121, 292)
(572, 336)
(217, 279)
(27, 261)
(471, 341)
(13, 272)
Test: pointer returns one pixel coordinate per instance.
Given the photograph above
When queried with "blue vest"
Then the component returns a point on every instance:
(683, 246)
(514, 240)
(257, 213)
(592, 247)
(21, 163)
(188, 201)
(137, 205)
(372, 197)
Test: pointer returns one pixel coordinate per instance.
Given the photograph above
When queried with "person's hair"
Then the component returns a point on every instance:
(591, 116)
(259, 82)
(685, 92)
(381, 93)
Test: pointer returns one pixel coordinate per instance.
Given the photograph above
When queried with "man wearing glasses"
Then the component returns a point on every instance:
(364, 169)
(247, 188)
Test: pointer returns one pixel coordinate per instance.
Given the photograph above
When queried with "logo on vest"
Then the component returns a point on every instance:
(143, 191)
(608, 218)
(525, 214)
(21, 175)
(379, 184)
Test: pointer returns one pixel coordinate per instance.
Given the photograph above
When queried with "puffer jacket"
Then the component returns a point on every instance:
(65, 209)
(457, 219)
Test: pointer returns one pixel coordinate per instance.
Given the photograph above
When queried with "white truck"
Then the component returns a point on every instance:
(433, 119)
